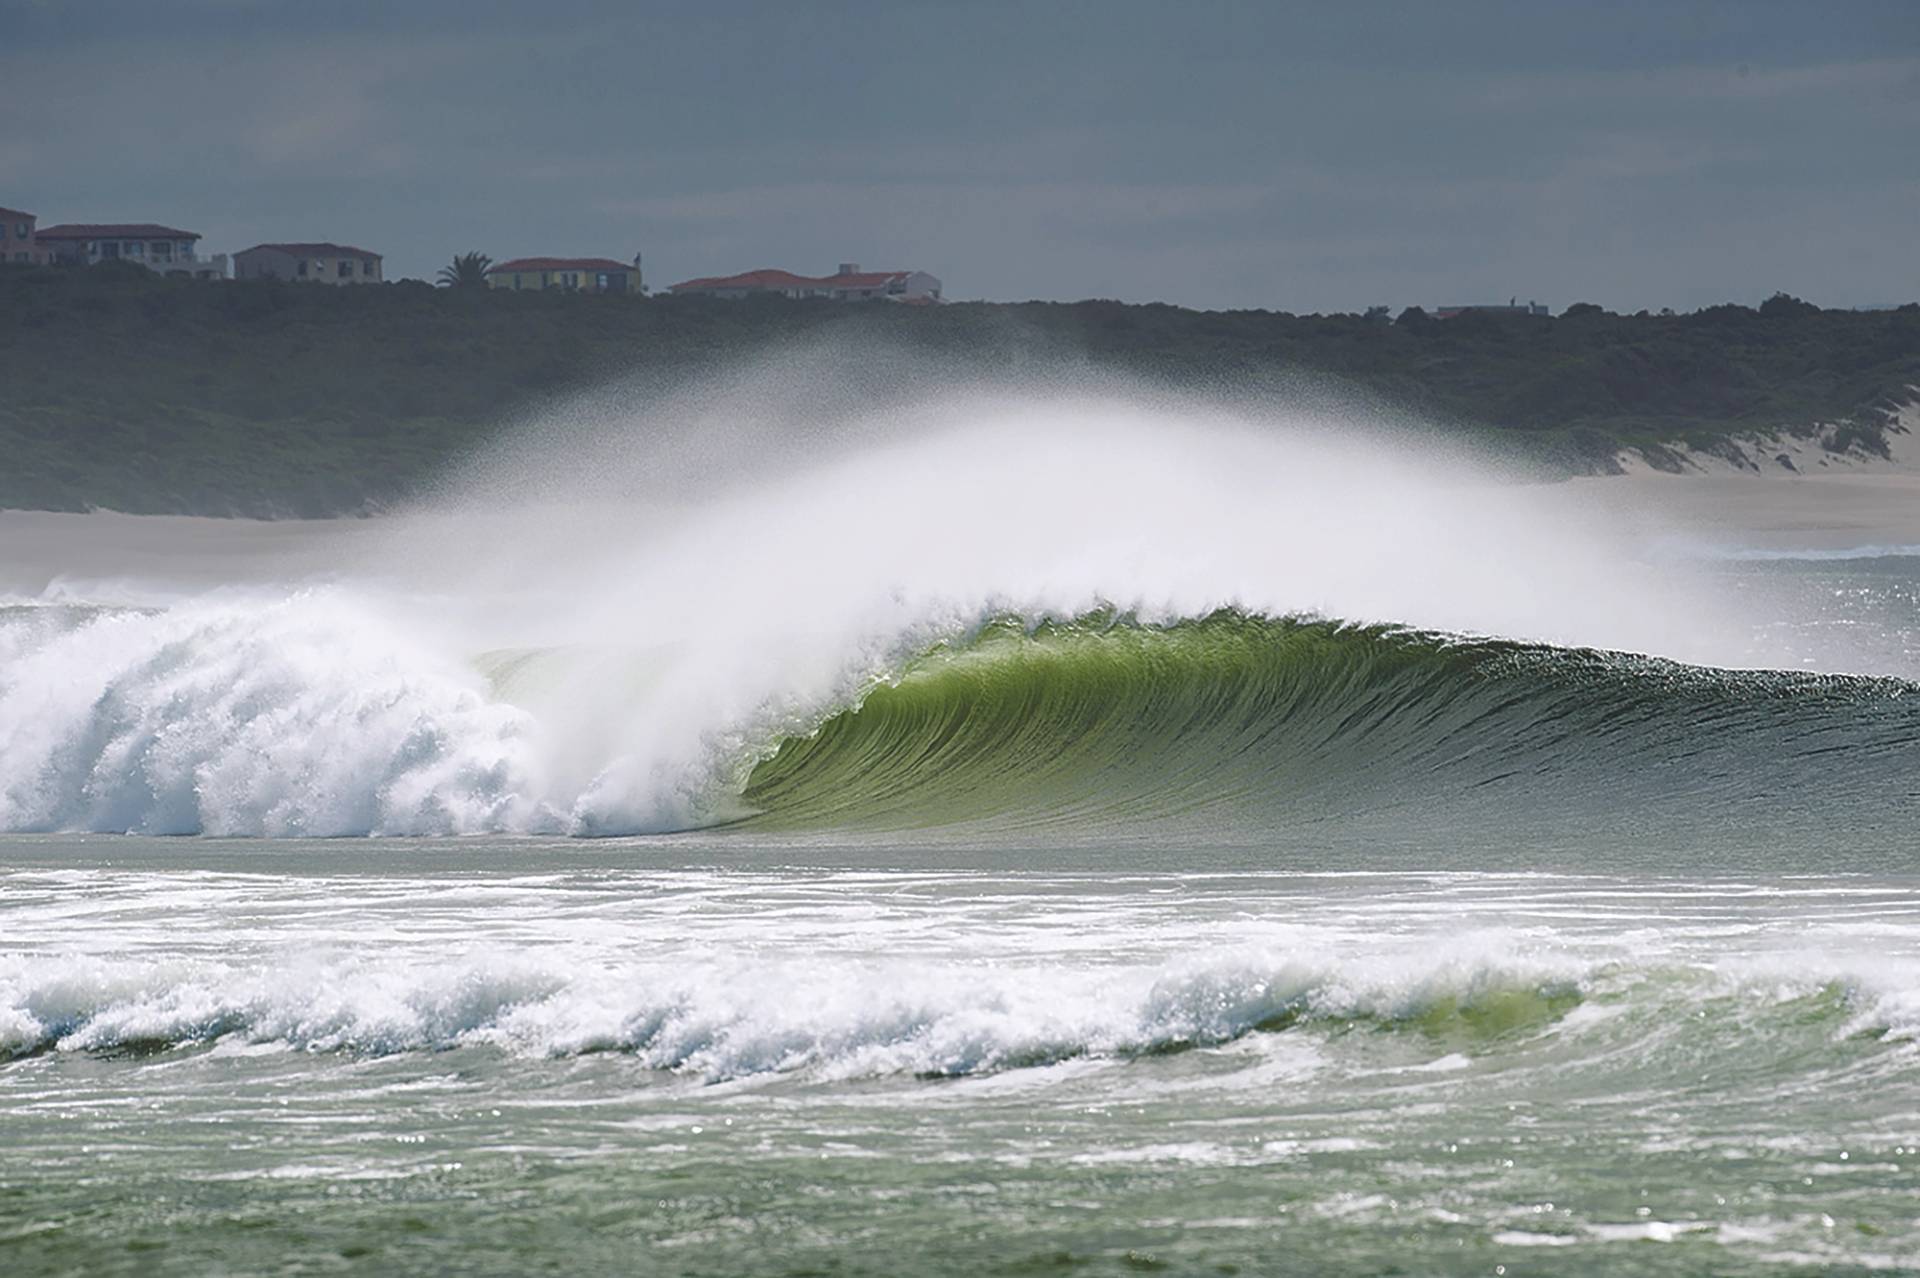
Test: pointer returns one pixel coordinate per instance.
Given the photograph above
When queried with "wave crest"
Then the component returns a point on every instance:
(309, 716)
(730, 1020)
(1234, 727)
(823, 1019)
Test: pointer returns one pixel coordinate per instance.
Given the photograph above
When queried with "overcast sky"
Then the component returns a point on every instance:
(1295, 157)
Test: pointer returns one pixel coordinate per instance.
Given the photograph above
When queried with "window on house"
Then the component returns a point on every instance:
(163, 250)
(109, 248)
(346, 269)
(23, 231)
(134, 248)
(301, 270)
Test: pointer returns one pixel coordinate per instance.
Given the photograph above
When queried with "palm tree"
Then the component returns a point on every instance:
(469, 270)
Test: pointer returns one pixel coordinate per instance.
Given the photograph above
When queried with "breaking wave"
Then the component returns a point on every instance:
(853, 1018)
(1249, 724)
(306, 717)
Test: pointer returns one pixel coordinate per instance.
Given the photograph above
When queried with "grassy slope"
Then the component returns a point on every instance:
(129, 392)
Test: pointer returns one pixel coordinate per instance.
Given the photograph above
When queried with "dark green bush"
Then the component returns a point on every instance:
(121, 389)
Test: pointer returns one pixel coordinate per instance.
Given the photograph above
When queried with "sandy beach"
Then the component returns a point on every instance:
(1822, 502)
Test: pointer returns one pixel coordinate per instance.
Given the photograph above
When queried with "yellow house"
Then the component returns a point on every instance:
(568, 274)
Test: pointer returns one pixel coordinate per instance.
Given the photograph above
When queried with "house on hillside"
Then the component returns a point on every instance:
(1513, 307)
(847, 284)
(18, 244)
(566, 274)
(164, 250)
(322, 262)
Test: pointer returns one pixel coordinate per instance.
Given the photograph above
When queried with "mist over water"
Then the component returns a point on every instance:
(606, 623)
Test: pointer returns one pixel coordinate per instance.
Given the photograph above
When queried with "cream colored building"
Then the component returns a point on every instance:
(566, 274)
(316, 263)
(164, 250)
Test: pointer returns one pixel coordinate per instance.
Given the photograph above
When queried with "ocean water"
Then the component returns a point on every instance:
(1474, 892)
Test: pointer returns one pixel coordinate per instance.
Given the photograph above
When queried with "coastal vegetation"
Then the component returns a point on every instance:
(122, 390)
(467, 270)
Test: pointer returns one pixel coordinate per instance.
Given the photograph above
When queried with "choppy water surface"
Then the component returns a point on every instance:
(497, 1057)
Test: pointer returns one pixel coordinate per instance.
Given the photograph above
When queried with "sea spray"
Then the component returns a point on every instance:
(292, 715)
(670, 642)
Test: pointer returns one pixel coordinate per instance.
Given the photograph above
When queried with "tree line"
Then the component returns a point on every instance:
(120, 389)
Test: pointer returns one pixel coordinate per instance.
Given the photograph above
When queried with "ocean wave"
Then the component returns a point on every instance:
(838, 1019)
(310, 715)
(1239, 726)
(729, 1020)
(303, 715)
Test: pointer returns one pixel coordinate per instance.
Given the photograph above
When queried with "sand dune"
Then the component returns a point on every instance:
(1818, 501)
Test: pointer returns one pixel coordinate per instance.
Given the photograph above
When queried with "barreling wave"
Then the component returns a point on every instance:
(305, 718)
(1239, 726)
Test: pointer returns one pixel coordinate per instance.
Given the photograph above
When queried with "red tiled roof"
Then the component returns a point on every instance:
(765, 277)
(10, 214)
(560, 264)
(768, 278)
(114, 231)
(315, 250)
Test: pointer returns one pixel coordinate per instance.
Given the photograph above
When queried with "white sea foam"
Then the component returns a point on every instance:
(723, 1019)
(839, 1018)
(306, 714)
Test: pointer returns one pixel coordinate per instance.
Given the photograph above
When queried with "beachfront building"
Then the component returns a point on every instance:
(164, 250)
(320, 262)
(18, 244)
(847, 284)
(566, 274)
(1514, 307)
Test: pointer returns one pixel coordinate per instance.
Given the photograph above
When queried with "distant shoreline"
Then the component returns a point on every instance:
(124, 391)
(1812, 502)
(1712, 507)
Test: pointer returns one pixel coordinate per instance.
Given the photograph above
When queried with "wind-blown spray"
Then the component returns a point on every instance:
(607, 634)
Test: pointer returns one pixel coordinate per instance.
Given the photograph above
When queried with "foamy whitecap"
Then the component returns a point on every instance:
(846, 1018)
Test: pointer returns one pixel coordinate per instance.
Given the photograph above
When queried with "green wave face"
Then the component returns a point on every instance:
(1235, 729)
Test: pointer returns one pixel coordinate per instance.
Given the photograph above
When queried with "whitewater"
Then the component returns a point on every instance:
(992, 828)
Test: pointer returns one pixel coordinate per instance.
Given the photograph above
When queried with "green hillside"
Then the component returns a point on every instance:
(125, 391)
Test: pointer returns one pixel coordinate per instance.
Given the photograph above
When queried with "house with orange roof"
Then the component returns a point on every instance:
(314, 262)
(847, 284)
(566, 274)
(164, 250)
